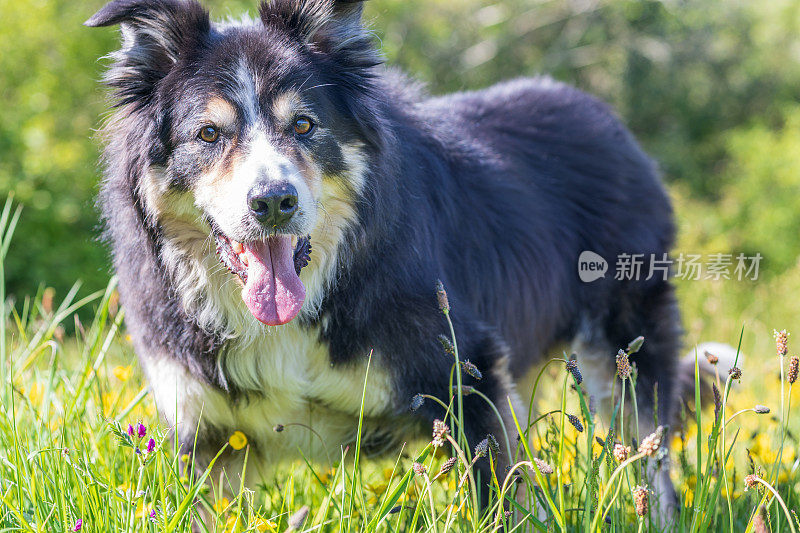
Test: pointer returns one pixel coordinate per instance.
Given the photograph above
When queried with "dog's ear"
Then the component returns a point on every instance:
(155, 33)
(330, 26)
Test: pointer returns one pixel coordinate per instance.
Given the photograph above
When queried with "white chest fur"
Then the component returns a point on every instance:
(294, 383)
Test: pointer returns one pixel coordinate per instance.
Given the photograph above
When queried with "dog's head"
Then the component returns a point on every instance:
(253, 133)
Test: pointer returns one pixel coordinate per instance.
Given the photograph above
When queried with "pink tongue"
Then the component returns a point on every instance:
(273, 292)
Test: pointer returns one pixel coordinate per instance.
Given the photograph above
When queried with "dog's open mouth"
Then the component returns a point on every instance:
(270, 272)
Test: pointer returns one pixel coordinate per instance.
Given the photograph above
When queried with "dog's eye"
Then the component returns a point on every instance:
(303, 125)
(209, 134)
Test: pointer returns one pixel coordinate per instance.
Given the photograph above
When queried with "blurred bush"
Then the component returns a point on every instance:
(711, 88)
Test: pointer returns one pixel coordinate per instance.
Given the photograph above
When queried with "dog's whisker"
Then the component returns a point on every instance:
(320, 85)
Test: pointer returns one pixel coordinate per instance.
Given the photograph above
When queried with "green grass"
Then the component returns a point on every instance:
(66, 455)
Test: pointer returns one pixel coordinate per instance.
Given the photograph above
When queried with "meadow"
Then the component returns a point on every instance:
(82, 447)
(710, 88)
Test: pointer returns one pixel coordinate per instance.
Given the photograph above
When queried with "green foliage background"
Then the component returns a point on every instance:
(711, 88)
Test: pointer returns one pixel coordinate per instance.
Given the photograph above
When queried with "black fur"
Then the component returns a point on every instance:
(495, 192)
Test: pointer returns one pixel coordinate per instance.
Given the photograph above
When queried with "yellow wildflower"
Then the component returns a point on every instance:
(143, 510)
(378, 488)
(231, 524)
(221, 505)
(238, 440)
(123, 373)
(35, 394)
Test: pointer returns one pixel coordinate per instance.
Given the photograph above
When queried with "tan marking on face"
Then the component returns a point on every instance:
(337, 200)
(285, 106)
(220, 112)
(357, 165)
(161, 203)
(337, 213)
(311, 174)
(221, 175)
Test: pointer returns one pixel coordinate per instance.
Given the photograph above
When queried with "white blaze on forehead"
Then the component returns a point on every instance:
(246, 92)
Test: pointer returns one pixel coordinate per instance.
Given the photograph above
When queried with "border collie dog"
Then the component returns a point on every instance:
(236, 147)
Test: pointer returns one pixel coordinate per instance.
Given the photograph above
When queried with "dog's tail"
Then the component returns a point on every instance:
(714, 359)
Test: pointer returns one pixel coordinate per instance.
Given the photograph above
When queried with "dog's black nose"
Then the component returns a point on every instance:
(274, 204)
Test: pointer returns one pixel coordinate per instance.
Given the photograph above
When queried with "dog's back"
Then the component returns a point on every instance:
(535, 173)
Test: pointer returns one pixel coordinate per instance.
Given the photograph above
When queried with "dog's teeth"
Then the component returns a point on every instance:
(237, 247)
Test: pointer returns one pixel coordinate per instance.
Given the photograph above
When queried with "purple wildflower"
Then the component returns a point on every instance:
(78, 525)
(130, 430)
(141, 430)
(151, 445)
